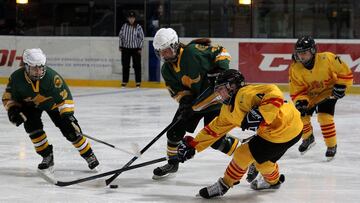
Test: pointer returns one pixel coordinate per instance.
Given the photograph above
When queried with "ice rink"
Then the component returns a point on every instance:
(125, 116)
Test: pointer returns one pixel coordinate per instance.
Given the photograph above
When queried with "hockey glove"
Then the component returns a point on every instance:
(339, 91)
(252, 120)
(185, 150)
(185, 107)
(302, 106)
(16, 117)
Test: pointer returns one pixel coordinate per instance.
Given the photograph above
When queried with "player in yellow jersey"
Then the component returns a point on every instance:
(260, 108)
(317, 81)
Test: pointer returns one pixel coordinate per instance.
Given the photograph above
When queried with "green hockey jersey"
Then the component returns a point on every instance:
(49, 93)
(189, 75)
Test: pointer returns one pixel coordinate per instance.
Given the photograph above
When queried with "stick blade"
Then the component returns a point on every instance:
(136, 149)
(47, 176)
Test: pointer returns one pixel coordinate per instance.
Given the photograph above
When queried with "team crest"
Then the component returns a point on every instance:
(201, 47)
(188, 81)
(58, 81)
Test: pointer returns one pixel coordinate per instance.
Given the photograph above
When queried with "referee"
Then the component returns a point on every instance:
(131, 38)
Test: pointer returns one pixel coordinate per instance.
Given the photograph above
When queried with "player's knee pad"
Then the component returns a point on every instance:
(227, 144)
(31, 126)
(175, 135)
(242, 156)
(325, 118)
(36, 133)
(71, 131)
(72, 136)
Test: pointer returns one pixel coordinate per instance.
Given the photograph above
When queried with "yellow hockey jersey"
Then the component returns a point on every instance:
(281, 123)
(316, 84)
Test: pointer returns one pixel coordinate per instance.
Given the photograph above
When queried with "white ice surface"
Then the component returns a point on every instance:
(125, 116)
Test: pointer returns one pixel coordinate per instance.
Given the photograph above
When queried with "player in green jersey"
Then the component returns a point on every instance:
(35, 88)
(188, 71)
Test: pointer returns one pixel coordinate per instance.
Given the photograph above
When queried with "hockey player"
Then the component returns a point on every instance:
(259, 108)
(188, 70)
(317, 81)
(35, 88)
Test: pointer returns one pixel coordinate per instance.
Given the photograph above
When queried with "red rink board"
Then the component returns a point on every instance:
(269, 62)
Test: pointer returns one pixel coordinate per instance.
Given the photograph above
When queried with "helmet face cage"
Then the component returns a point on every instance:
(229, 90)
(34, 61)
(303, 44)
(227, 79)
(174, 47)
(29, 71)
(166, 44)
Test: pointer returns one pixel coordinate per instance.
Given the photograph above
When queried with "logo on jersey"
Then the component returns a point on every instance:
(38, 99)
(57, 81)
(187, 81)
(201, 47)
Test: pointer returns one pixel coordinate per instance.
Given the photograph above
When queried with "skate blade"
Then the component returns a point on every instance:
(48, 175)
(328, 159)
(310, 146)
(167, 176)
(97, 169)
(49, 170)
(271, 188)
(266, 189)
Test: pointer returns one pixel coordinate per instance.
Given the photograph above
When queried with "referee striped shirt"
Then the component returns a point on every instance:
(131, 36)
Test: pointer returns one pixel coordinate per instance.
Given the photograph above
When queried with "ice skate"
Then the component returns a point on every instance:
(217, 189)
(307, 144)
(47, 164)
(252, 173)
(92, 161)
(330, 153)
(261, 184)
(167, 170)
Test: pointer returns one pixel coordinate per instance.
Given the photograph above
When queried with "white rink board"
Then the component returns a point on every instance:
(98, 58)
(125, 116)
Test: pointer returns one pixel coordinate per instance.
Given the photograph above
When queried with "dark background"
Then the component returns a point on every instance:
(329, 19)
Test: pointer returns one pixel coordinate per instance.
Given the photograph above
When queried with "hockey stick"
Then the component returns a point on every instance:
(246, 140)
(326, 99)
(135, 147)
(172, 124)
(81, 180)
(320, 102)
(112, 178)
(321, 98)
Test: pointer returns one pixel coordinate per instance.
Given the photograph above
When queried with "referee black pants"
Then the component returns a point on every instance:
(126, 55)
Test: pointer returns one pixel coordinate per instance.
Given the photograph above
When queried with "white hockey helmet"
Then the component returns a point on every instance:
(166, 38)
(34, 59)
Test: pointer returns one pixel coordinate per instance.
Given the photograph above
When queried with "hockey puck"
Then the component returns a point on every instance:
(114, 186)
